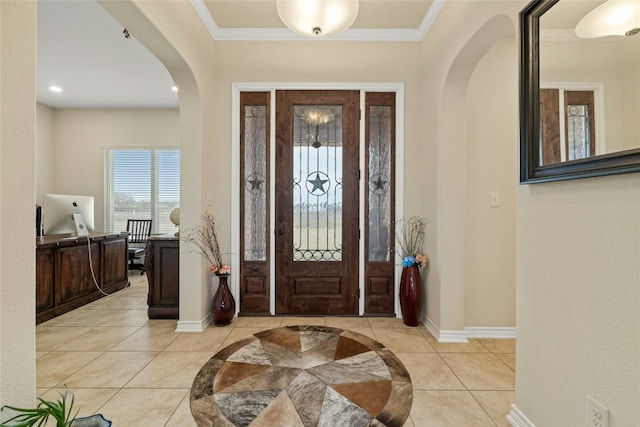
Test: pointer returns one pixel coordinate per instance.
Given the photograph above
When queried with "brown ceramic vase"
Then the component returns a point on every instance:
(223, 306)
(410, 296)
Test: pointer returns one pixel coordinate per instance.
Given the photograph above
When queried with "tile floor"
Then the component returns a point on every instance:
(138, 372)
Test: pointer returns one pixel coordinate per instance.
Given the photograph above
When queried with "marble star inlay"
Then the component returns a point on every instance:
(303, 376)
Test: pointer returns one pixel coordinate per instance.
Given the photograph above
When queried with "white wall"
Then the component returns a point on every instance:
(492, 166)
(45, 152)
(578, 300)
(80, 137)
(469, 112)
(17, 192)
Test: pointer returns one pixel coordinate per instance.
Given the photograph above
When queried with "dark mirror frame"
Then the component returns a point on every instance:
(530, 170)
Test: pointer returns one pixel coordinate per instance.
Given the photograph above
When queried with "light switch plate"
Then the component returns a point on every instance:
(597, 415)
(495, 199)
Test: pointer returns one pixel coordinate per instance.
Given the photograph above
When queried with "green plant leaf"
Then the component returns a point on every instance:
(28, 417)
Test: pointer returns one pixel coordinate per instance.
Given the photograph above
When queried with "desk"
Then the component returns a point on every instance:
(162, 264)
(63, 273)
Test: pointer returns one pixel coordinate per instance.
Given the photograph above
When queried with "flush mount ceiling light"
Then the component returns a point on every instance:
(56, 89)
(318, 18)
(612, 18)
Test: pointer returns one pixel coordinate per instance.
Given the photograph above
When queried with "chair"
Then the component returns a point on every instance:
(139, 231)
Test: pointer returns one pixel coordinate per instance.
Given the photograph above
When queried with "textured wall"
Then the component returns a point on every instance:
(17, 193)
(578, 300)
(45, 152)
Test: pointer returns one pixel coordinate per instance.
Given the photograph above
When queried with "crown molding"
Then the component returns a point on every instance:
(285, 34)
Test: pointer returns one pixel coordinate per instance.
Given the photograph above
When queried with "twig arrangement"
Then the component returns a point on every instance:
(410, 235)
(204, 239)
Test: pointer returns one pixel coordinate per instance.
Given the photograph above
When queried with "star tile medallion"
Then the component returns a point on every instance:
(302, 376)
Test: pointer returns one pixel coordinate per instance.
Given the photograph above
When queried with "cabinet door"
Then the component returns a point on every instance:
(44, 280)
(114, 262)
(166, 274)
(73, 271)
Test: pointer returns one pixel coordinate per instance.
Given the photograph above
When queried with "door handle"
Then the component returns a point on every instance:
(280, 232)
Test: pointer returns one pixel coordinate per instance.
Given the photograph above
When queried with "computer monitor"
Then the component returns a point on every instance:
(58, 211)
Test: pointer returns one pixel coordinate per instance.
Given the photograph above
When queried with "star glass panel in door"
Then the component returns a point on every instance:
(317, 183)
(380, 200)
(254, 266)
(380, 238)
(255, 179)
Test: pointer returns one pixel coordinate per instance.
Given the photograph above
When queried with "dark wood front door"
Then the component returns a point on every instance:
(317, 201)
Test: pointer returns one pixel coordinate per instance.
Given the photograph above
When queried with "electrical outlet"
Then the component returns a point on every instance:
(597, 415)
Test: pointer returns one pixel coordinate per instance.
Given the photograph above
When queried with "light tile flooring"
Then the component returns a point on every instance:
(138, 372)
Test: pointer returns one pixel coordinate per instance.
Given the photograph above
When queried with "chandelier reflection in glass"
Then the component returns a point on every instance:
(317, 116)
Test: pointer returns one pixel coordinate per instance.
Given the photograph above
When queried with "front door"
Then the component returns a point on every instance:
(316, 202)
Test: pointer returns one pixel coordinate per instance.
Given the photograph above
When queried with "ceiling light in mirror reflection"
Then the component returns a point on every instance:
(56, 89)
(612, 18)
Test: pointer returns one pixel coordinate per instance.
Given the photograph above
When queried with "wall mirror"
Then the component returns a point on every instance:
(579, 97)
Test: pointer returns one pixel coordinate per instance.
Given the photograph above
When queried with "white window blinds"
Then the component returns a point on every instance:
(141, 184)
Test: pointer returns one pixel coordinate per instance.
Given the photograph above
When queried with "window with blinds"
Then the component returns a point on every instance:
(141, 184)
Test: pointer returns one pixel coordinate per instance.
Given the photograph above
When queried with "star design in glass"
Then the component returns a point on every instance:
(379, 183)
(254, 183)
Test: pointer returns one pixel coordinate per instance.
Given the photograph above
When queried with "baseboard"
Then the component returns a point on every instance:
(453, 337)
(490, 332)
(470, 332)
(445, 336)
(518, 419)
(193, 326)
(431, 327)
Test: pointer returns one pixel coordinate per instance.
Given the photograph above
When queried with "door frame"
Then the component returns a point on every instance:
(236, 88)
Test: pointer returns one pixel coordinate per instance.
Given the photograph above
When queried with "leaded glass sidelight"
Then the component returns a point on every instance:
(578, 132)
(379, 162)
(317, 183)
(255, 183)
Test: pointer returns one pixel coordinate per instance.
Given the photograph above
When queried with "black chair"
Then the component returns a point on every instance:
(139, 231)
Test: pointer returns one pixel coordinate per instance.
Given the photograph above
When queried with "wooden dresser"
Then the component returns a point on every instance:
(162, 263)
(63, 273)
